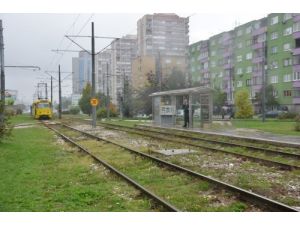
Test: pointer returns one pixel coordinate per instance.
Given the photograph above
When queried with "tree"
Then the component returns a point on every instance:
(219, 99)
(270, 99)
(244, 108)
(84, 102)
(174, 80)
(66, 102)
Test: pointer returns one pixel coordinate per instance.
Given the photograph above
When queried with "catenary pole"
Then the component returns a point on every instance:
(93, 77)
(59, 93)
(2, 104)
(51, 90)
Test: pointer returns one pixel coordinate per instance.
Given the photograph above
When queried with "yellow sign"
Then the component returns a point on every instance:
(94, 101)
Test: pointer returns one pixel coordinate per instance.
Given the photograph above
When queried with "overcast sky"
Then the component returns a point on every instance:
(29, 39)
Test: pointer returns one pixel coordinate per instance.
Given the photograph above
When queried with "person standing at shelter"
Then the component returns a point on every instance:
(185, 108)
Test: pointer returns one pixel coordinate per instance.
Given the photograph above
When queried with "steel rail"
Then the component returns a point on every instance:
(256, 148)
(250, 139)
(255, 159)
(244, 194)
(166, 204)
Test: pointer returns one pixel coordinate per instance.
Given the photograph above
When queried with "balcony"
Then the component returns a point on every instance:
(296, 100)
(227, 66)
(296, 84)
(296, 51)
(258, 59)
(257, 45)
(296, 68)
(227, 54)
(296, 19)
(259, 31)
(296, 35)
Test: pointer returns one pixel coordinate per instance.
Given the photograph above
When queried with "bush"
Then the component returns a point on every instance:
(101, 113)
(65, 112)
(5, 129)
(74, 110)
(8, 112)
(287, 115)
(297, 125)
(19, 111)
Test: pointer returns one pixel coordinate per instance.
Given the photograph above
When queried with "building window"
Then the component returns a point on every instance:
(213, 64)
(296, 27)
(257, 25)
(239, 83)
(213, 53)
(287, 16)
(274, 20)
(287, 31)
(240, 45)
(287, 78)
(221, 74)
(248, 30)
(275, 93)
(274, 35)
(239, 71)
(287, 62)
(248, 82)
(287, 47)
(213, 42)
(274, 79)
(249, 69)
(240, 32)
(239, 58)
(287, 93)
(249, 55)
(257, 81)
(296, 76)
(248, 43)
(274, 50)
(274, 65)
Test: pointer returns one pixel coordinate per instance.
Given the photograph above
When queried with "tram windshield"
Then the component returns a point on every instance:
(43, 105)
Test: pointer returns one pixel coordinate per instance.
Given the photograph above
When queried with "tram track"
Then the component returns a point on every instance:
(186, 140)
(243, 194)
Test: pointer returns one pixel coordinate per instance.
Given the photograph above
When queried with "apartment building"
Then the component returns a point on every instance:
(123, 52)
(164, 36)
(265, 49)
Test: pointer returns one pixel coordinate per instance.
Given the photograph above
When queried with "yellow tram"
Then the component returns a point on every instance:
(42, 109)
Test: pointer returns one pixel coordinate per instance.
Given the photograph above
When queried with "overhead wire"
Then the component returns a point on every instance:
(63, 38)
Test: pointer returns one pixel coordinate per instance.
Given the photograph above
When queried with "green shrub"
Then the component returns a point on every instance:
(74, 110)
(8, 112)
(101, 113)
(19, 112)
(287, 115)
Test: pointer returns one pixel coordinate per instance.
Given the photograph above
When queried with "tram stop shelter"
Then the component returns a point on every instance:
(167, 107)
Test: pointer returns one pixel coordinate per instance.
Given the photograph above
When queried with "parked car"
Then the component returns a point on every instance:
(274, 114)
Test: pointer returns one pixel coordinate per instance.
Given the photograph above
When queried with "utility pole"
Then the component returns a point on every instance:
(159, 71)
(59, 93)
(107, 93)
(263, 101)
(51, 92)
(93, 77)
(2, 103)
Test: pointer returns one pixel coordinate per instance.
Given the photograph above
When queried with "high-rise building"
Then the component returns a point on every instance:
(82, 71)
(165, 36)
(253, 55)
(123, 52)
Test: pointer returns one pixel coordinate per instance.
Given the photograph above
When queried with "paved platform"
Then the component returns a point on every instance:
(243, 133)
